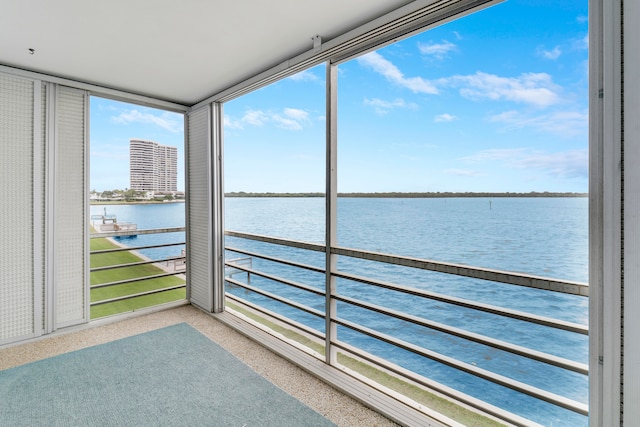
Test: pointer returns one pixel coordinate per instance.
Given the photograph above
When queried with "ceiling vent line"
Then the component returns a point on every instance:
(394, 26)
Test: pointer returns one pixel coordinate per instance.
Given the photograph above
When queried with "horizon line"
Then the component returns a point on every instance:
(412, 194)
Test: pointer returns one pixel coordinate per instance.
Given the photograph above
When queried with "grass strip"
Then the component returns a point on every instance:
(106, 276)
(413, 392)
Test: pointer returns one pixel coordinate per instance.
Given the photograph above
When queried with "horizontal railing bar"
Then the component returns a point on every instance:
(277, 279)
(512, 278)
(277, 241)
(137, 279)
(459, 396)
(136, 232)
(134, 248)
(139, 294)
(298, 326)
(274, 259)
(275, 297)
(487, 308)
(493, 377)
(471, 336)
(235, 261)
(133, 264)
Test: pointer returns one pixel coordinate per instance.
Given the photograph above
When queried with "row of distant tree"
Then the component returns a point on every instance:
(413, 195)
(135, 195)
(129, 195)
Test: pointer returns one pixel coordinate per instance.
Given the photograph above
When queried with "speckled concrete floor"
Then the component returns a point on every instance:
(341, 409)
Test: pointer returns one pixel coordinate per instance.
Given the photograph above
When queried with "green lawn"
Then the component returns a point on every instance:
(102, 260)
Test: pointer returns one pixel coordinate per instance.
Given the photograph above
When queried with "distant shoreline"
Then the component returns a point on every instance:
(391, 195)
(434, 195)
(136, 202)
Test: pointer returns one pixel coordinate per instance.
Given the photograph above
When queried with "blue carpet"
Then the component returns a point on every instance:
(173, 376)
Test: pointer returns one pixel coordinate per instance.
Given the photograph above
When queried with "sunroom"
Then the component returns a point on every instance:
(200, 59)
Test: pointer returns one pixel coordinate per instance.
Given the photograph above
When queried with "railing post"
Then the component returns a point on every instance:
(331, 199)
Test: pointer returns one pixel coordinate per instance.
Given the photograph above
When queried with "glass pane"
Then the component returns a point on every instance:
(137, 182)
(274, 145)
(274, 151)
(468, 144)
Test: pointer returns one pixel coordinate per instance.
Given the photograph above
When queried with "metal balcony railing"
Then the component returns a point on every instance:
(128, 280)
(306, 298)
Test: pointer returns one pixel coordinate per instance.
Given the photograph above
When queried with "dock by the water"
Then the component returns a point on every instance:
(105, 223)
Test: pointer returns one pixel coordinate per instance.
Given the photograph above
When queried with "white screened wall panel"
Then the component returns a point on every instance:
(69, 208)
(41, 214)
(16, 210)
(199, 212)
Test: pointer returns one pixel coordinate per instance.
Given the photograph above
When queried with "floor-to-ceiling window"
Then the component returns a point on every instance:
(468, 144)
(462, 179)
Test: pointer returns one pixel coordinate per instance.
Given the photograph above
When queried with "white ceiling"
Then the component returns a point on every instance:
(179, 51)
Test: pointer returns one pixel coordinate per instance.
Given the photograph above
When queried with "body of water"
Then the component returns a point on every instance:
(149, 216)
(540, 236)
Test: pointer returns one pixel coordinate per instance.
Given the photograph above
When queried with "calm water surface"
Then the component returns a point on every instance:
(149, 216)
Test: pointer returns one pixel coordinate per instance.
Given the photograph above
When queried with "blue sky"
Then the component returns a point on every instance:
(495, 101)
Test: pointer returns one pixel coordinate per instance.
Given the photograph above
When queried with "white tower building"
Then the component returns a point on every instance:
(152, 167)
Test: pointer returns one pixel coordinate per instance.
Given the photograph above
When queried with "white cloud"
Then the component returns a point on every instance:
(388, 70)
(437, 50)
(531, 88)
(563, 164)
(535, 89)
(582, 19)
(304, 76)
(288, 118)
(549, 54)
(254, 117)
(166, 121)
(457, 34)
(296, 114)
(578, 43)
(291, 119)
(250, 117)
(567, 164)
(229, 123)
(444, 118)
(286, 123)
(562, 123)
(383, 107)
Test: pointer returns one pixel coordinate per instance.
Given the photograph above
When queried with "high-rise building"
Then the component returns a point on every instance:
(152, 167)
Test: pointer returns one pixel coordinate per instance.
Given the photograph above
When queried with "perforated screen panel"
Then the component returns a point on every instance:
(199, 250)
(16, 209)
(69, 212)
